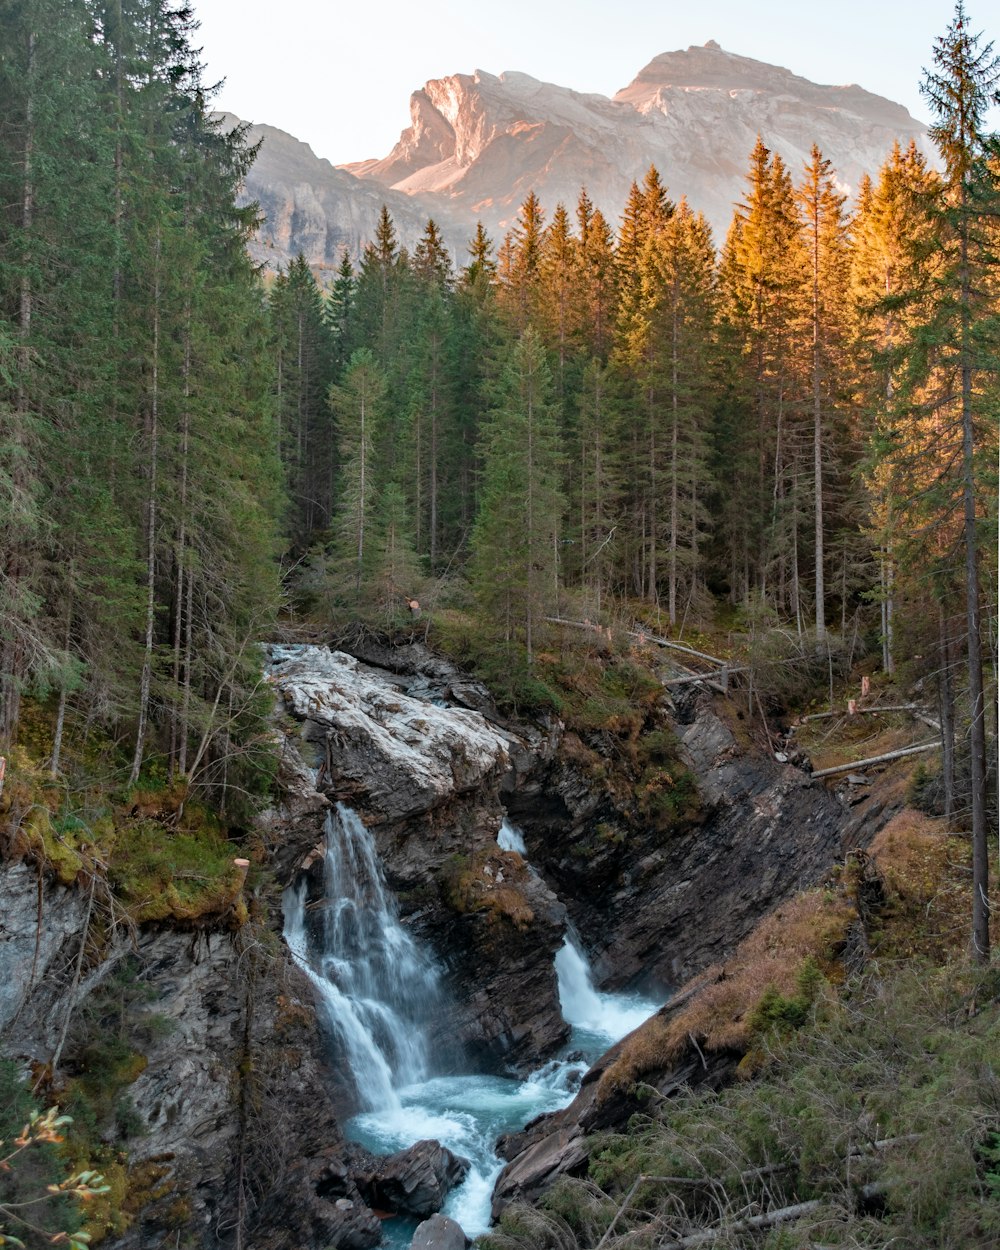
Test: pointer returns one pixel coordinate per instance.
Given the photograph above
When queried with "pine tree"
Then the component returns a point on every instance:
(953, 359)
(338, 313)
(515, 542)
(825, 232)
(595, 291)
(762, 272)
(358, 407)
(520, 260)
(891, 241)
(431, 259)
(303, 354)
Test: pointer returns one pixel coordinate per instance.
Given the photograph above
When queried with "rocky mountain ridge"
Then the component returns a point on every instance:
(478, 143)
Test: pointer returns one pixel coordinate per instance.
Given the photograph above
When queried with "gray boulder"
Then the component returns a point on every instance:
(439, 1233)
(418, 1180)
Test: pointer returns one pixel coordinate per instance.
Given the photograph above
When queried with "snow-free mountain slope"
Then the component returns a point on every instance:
(483, 141)
(478, 143)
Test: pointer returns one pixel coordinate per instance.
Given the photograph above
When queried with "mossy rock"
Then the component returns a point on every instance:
(162, 874)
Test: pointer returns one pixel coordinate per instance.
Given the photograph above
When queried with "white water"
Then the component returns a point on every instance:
(510, 838)
(596, 1018)
(378, 989)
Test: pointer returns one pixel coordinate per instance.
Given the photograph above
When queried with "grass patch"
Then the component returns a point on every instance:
(162, 874)
(926, 909)
(883, 1114)
(490, 882)
(772, 978)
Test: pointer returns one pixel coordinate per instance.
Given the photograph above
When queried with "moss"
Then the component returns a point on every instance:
(668, 799)
(188, 876)
(488, 882)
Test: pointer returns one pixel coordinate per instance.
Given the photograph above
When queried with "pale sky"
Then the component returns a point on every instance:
(339, 75)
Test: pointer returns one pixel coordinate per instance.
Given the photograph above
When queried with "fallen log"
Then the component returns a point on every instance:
(706, 677)
(783, 1215)
(878, 759)
(643, 636)
(914, 709)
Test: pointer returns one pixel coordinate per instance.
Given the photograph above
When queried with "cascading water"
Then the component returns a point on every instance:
(510, 838)
(598, 1020)
(378, 989)
(376, 985)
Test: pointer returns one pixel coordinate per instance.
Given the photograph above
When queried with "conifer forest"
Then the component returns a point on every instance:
(607, 418)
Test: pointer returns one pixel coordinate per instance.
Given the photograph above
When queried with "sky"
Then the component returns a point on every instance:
(339, 75)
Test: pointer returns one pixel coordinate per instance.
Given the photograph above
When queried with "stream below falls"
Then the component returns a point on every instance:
(378, 989)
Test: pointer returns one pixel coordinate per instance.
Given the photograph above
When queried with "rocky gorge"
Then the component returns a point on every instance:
(230, 1123)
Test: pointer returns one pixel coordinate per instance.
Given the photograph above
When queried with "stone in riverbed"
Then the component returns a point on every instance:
(417, 1181)
(439, 1233)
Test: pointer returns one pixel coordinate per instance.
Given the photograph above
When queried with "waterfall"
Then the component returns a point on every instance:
(510, 838)
(378, 991)
(376, 986)
(605, 1017)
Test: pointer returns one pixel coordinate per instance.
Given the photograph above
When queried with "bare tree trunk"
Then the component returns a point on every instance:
(946, 696)
(153, 435)
(186, 698)
(674, 509)
(973, 620)
(818, 439)
(176, 727)
(12, 655)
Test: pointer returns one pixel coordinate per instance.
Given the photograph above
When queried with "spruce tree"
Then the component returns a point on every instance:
(953, 361)
(516, 537)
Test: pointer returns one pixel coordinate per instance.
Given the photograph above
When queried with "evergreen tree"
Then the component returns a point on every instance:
(431, 259)
(338, 313)
(949, 389)
(358, 407)
(891, 244)
(303, 354)
(516, 537)
(762, 282)
(520, 260)
(825, 231)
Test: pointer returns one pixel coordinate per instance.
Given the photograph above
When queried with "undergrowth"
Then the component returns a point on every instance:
(882, 1118)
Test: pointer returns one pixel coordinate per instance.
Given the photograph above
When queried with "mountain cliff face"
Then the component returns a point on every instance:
(309, 206)
(478, 143)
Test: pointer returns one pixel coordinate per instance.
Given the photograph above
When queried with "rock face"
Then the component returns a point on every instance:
(478, 143)
(665, 905)
(232, 1100)
(39, 925)
(557, 1145)
(439, 1233)
(228, 1066)
(396, 755)
(309, 206)
(417, 1181)
(426, 780)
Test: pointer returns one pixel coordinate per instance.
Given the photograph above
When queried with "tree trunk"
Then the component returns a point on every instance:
(153, 435)
(946, 696)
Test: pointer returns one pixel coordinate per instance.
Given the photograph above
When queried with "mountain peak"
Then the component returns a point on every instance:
(478, 143)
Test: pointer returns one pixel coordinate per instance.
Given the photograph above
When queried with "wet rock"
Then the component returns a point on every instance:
(559, 1144)
(417, 1181)
(661, 906)
(439, 1233)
